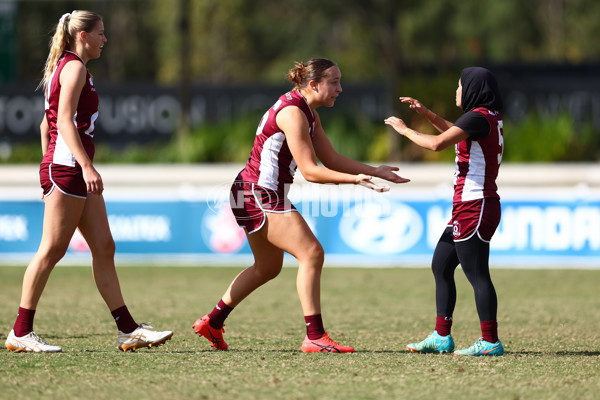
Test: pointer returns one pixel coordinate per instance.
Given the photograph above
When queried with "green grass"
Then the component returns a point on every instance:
(548, 324)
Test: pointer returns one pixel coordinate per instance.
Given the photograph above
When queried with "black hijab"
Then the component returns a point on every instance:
(479, 89)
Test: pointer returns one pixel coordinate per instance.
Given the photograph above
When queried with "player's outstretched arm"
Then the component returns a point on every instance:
(438, 122)
(431, 142)
(335, 161)
(293, 122)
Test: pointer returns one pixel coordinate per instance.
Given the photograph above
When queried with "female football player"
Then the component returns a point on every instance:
(290, 134)
(478, 141)
(72, 188)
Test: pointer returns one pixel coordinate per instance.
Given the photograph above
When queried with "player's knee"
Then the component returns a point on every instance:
(271, 273)
(264, 272)
(315, 254)
(52, 257)
(51, 254)
(104, 249)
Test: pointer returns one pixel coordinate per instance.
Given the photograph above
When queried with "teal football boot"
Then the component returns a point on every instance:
(482, 348)
(433, 343)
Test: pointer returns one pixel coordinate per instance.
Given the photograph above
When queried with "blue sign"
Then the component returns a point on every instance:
(370, 231)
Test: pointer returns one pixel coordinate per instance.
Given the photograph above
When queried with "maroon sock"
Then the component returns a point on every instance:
(124, 320)
(489, 331)
(24, 323)
(219, 314)
(314, 326)
(443, 325)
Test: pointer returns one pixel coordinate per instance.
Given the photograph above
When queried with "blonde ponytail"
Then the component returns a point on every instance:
(64, 38)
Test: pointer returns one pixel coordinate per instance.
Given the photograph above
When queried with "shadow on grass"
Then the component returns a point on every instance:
(555, 353)
(298, 352)
(74, 336)
(276, 351)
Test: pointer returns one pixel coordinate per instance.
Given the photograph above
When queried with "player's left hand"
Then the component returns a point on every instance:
(387, 172)
(416, 105)
(365, 180)
(396, 123)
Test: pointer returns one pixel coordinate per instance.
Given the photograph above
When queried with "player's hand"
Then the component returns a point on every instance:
(365, 180)
(93, 180)
(415, 105)
(387, 172)
(396, 123)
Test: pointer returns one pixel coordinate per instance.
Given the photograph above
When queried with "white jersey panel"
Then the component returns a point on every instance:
(62, 153)
(269, 168)
(475, 179)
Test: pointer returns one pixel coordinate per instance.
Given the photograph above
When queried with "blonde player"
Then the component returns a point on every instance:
(72, 187)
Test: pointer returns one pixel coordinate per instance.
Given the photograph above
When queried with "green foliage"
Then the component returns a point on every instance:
(355, 138)
(22, 153)
(230, 141)
(534, 139)
(390, 41)
(549, 139)
(246, 41)
(135, 153)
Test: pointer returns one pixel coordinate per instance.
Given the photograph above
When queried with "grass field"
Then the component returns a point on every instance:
(549, 324)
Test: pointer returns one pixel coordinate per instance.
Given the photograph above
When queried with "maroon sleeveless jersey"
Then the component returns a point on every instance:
(271, 164)
(84, 119)
(478, 161)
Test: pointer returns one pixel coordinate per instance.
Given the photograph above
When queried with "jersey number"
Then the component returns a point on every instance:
(265, 117)
(500, 141)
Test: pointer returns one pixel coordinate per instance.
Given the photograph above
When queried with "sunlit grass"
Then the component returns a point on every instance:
(548, 321)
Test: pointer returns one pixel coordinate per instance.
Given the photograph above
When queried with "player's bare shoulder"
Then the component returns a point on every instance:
(73, 72)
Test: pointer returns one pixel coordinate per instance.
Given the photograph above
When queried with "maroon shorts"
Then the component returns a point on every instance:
(69, 180)
(249, 203)
(480, 216)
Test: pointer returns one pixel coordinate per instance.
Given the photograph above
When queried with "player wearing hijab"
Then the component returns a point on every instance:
(478, 141)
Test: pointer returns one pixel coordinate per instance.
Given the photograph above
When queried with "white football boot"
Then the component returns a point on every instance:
(30, 343)
(142, 336)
